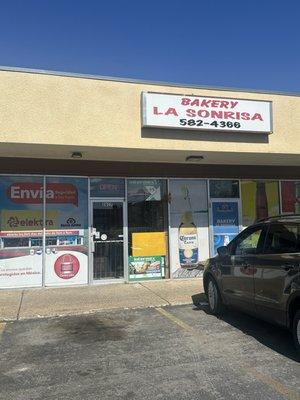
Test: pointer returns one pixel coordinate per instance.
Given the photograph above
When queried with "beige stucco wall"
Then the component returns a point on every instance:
(49, 116)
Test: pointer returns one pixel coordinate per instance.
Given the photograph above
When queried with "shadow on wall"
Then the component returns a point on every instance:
(212, 136)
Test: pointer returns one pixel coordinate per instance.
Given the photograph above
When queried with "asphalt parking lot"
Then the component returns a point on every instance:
(176, 352)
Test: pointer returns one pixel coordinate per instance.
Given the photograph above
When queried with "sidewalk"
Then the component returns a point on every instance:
(50, 302)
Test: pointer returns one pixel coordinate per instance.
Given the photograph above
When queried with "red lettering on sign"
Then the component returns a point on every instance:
(171, 111)
(205, 103)
(156, 112)
(245, 116)
(185, 101)
(257, 116)
(215, 103)
(228, 114)
(203, 113)
(195, 102)
(216, 114)
(190, 112)
(224, 104)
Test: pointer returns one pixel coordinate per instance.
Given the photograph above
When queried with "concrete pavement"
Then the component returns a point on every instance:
(157, 353)
(51, 302)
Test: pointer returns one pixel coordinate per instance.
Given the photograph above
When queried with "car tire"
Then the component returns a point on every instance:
(296, 330)
(214, 298)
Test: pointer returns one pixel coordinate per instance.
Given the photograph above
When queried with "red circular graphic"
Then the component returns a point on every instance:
(66, 266)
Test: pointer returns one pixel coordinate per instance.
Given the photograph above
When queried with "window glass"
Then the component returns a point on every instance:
(249, 243)
(189, 239)
(66, 260)
(21, 231)
(224, 189)
(260, 199)
(290, 197)
(147, 228)
(283, 238)
(107, 187)
(225, 219)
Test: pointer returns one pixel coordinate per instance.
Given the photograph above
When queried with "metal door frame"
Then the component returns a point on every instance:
(125, 241)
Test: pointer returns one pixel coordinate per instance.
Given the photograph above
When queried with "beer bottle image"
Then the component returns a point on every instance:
(261, 201)
(187, 241)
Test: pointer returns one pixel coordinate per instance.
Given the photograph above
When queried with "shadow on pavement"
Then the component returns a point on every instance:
(272, 336)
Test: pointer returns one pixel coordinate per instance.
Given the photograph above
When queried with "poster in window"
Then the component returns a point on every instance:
(219, 188)
(260, 199)
(290, 197)
(141, 268)
(21, 228)
(225, 217)
(189, 239)
(66, 259)
(144, 190)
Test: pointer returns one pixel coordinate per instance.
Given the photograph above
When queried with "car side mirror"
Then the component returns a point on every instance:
(223, 251)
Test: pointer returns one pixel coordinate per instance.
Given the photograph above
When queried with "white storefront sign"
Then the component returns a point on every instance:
(206, 113)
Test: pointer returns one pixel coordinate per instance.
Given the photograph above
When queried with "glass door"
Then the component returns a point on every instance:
(108, 239)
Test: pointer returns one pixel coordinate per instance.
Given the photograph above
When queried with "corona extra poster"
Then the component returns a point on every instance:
(189, 239)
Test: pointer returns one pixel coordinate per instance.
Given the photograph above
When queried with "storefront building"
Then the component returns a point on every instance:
(106, 180)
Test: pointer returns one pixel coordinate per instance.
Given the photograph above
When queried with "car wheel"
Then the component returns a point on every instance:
(296, 330)
(213, 297)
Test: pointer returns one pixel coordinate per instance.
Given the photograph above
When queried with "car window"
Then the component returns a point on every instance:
(248, 242)
(283, 238)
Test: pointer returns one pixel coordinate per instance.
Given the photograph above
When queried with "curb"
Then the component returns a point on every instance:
(90, 312)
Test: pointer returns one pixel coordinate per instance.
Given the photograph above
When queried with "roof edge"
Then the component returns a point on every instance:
(141, 81)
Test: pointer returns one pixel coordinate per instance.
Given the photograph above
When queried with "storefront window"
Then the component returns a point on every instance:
(66, 260)
(260, 199)
(290, 197)
(224, 189)
(21, 230)
(107, 187)
(225, 203)
(147, 228)
(189, 239)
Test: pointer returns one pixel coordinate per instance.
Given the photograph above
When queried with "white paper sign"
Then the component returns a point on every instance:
(206, 113)
(66, 267)
(22, 268)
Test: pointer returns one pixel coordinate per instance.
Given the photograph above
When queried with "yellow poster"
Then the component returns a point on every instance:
(148, 244)
(27, 220)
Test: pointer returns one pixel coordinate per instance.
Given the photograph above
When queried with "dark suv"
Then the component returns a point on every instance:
(259, 273)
